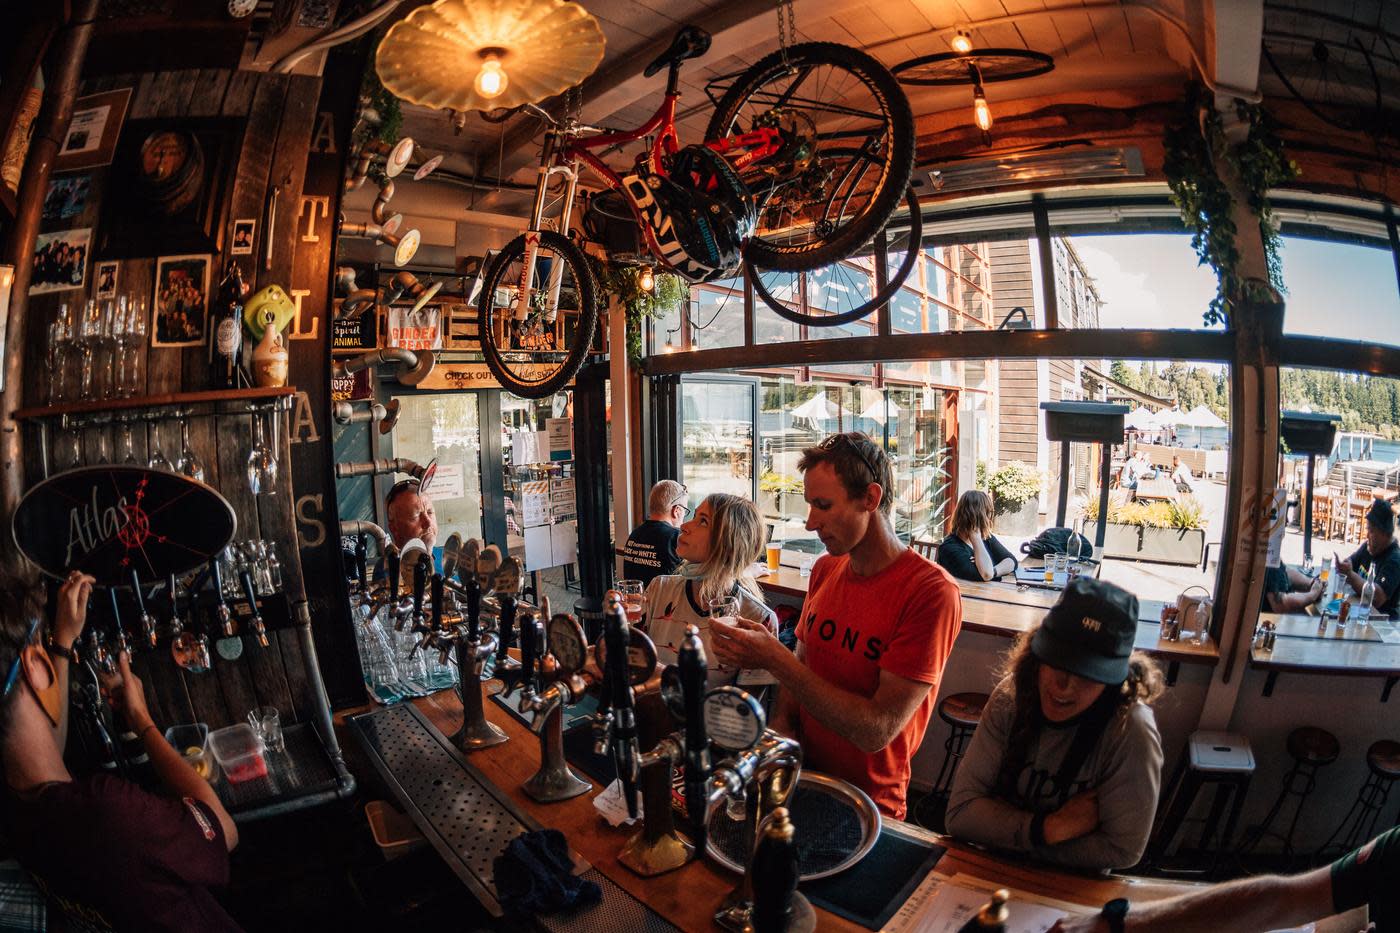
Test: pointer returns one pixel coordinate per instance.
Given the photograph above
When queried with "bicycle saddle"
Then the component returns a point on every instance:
(690, 42)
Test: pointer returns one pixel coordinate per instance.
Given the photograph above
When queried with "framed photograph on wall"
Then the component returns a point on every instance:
(92, 133)
(104, 278)
(180, 307)
(243, 231)
(67, 196)
(60, 260)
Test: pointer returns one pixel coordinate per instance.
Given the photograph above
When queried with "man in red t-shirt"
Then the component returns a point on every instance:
(876, 628)
(103, 850)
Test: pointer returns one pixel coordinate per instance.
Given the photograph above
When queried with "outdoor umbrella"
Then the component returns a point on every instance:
(1140, 419)
(880, 409)
(816, 408)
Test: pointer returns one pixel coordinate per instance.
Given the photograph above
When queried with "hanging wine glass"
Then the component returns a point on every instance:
(157, 459)
(188, 463)
(262, 464)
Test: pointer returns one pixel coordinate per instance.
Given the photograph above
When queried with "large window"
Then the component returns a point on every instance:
(1343, 290)
(717, 418)
(445, 428)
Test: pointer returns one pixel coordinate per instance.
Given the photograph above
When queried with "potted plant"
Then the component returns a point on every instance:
(1171, 532)
(1015, 490)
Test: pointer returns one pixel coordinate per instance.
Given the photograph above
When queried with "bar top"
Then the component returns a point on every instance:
(1008, 610)
(1299, 648)
(688, 896)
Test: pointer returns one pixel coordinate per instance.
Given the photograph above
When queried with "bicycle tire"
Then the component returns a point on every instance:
(898, 161)
(587, 291)
(892, 285)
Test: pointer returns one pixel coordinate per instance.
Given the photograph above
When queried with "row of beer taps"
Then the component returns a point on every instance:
(728, 755)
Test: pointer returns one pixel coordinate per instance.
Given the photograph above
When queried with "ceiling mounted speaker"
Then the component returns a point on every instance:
(488, 54)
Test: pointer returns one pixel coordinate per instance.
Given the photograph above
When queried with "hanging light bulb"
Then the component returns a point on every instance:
(492, 79)
(647, 281)
(961, 42)
(981, 113)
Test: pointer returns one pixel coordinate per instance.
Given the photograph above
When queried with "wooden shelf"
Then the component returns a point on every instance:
(155, 401)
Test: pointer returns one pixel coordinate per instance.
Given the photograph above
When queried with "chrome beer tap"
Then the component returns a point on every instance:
(474, 645)
(227, 624)
(250, 595)
(190, 649)
(148, 622)
(567, 653)
(616, 728)
(123, 644)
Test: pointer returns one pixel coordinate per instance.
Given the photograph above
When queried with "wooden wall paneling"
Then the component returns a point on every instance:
(279, 526)
(238, 96)
(249, 194)
(142, 98)
(165, 689)
(210, 85)
(206, 697)
(172, 93)
(235, 678)
(287, 174)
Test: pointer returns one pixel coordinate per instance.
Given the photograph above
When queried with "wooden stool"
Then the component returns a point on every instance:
(1311, 748)
(1218, 758)
(962, 712)
(1383, 758)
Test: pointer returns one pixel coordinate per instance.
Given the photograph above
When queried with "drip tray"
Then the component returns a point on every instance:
(468, 820)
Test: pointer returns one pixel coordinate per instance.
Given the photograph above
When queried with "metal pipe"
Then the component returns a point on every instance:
(351, 30)
(356, 527)
(378, 467)
(377, 358)
(68, 53)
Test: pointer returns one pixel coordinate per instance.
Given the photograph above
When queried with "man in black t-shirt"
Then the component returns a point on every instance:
(1365, 877)
(103, 850)
(651, 548)
(1380, 549)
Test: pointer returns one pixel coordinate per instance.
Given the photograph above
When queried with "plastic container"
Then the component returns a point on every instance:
(239, 751)
(393, 832)
(192, 741)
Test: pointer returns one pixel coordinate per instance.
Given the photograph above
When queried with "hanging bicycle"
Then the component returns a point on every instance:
(808, 155)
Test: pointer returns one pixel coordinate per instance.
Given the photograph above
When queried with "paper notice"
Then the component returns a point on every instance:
(613, 807)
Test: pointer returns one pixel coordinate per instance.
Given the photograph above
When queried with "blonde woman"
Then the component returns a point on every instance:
(719, 546)
(972, 552)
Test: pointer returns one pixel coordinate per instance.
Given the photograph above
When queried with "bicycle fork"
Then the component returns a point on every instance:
(521, 310)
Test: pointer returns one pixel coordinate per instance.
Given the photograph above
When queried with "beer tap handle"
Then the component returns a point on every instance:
(122, 643)
(251, 595)
(174, 602)
(625, 752)
(694, 671)
(420, 583)
(438, 595)
(391, 566)
(216, 579)
(775, 875)
(472, 586)
(528, 657)
(361, 563)
(148, 624)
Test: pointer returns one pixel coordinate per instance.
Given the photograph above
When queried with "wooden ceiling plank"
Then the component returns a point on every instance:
(1036, 31)
(1111, 32)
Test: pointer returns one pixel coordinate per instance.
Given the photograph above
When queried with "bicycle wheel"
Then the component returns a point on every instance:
(819, 206)
(836, 294)
(535, 355)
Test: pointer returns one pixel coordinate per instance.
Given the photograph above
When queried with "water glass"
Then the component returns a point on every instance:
(267, 723)
(725, 609)
(804, 569)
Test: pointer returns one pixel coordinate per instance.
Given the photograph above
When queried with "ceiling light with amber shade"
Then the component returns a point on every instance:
(489, 54)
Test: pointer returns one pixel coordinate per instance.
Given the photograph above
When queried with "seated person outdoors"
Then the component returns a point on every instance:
(1269, 902)
(1289, 590)
(1128, 473)
(104, 851)
(876, 629)
(1381, 550)
(1181, 476)
(719, 546)
(651, 547)
(972, 552)
(1066, 764)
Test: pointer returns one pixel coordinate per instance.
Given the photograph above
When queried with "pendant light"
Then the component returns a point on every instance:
(489, 54)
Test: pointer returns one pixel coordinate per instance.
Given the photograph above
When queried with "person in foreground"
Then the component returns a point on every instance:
(651, 547)
(1379, 549)
(972, 552)
(102, 849)
(1067, 762)
(876, 629)
(1268, 902)
(719, 545)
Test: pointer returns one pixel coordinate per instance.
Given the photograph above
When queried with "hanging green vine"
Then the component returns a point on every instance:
(668, 294)
(1193, 146)
(375, 96)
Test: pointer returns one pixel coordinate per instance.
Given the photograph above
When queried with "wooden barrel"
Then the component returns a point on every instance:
(171, 170)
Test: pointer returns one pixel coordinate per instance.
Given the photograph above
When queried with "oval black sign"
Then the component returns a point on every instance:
(107, 520)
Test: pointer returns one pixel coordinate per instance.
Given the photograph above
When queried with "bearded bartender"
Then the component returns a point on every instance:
(876, 629)
(107, 853)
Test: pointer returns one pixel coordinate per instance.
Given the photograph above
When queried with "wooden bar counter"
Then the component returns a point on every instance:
(689, 896)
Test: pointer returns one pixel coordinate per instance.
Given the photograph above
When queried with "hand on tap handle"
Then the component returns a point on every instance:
(694, 671)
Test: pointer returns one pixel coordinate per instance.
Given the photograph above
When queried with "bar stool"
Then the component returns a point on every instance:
(1383, 758)
(1311, 748)
(962, 712)
(1218, 758)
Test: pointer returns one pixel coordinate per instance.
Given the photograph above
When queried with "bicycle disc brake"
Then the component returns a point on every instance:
(799, 141)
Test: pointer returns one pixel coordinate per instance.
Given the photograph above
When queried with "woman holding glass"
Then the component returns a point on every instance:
(713, 586)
